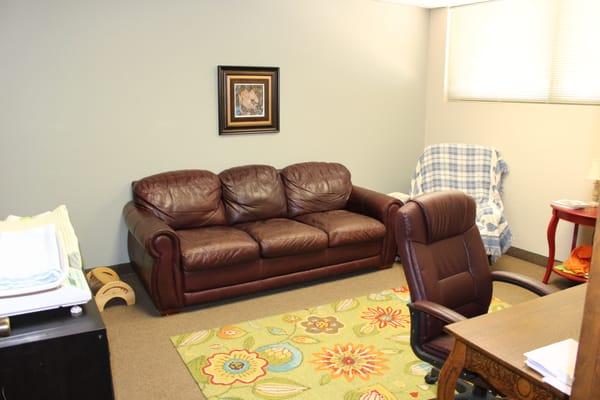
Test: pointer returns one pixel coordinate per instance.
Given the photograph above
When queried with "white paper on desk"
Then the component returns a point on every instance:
(555, 361)
(557, 384)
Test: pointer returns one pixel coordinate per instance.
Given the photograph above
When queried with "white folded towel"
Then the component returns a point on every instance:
(27, 244)
(30, 260)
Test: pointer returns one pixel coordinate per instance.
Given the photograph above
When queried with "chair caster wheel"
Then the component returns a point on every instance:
(432, 377)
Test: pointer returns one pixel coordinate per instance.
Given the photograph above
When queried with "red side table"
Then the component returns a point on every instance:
(582, 216)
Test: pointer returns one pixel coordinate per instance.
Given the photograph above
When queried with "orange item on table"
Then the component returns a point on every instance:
(580, 260)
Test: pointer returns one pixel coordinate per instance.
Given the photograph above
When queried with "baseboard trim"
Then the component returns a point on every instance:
(121, 269)
(528, 256)
(522, 254)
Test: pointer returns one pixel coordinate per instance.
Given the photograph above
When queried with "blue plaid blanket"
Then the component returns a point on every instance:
(476, 170)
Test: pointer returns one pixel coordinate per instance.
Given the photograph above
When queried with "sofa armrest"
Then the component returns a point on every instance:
(154, 253)
(523, 281)
(381, 207)
(374, 204)
(436, 310)
(147, 228)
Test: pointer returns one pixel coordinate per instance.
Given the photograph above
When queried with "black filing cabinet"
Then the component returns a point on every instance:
(52, 355)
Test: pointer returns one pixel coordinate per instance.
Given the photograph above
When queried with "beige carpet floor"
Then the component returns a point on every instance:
(145, 365)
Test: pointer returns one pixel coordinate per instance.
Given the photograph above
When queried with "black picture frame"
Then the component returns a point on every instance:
(248, 100)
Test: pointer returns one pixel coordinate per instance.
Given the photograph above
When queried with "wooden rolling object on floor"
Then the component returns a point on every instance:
(106, 285)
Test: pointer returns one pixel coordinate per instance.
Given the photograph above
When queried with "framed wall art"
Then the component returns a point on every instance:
(248, 100)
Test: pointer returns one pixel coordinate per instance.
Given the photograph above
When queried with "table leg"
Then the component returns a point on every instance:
(551, 233)
(575, 233)
(451, 371)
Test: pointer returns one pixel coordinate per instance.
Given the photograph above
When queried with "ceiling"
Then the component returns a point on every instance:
(433, 3)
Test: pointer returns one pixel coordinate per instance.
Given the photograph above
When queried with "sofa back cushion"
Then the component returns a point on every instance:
(316, 186)
(183, 199)
(252, 193)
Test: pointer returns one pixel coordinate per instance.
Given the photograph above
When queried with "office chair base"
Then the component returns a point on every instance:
(466, 396)
(432, 377)
(467, 391)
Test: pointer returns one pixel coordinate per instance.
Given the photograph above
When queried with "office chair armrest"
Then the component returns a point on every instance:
(436, 310)
(523, 281)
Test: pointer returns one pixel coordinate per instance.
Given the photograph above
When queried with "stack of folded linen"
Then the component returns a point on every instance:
(59, 217)
(30, 260)
(36, 252)
(40, 264)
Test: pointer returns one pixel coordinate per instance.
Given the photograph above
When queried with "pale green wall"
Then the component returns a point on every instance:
(95, 94)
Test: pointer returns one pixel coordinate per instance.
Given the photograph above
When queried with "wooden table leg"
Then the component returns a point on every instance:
(451, 371)
(551, 233)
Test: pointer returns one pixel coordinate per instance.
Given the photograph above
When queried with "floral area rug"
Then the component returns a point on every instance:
(353, 349)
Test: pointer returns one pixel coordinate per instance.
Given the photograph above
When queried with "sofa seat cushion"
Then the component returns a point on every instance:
(215, 246)
(279, 237)
(344, 227)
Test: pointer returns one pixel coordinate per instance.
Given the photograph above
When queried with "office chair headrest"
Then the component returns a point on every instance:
(446, 214)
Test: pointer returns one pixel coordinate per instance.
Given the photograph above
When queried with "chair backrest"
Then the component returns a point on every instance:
(443, 256)
(474, 169)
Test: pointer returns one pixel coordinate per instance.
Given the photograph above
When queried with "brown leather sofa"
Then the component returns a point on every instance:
(195, 236)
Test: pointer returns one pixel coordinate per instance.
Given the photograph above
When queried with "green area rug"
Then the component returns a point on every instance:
(353, 349)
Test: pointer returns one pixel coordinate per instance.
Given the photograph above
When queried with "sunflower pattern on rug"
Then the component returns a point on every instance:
(353, 349)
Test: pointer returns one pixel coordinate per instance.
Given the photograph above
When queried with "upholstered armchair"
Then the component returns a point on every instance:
(476, 170)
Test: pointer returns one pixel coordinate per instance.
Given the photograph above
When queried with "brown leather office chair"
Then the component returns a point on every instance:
(448, 275)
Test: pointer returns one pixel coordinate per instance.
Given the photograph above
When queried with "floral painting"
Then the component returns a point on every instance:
(248, 99)
(353, 349)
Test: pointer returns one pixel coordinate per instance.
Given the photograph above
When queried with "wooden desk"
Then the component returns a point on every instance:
(492, 345)
(584, 216)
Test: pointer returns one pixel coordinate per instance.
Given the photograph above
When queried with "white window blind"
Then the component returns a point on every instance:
(525, 50)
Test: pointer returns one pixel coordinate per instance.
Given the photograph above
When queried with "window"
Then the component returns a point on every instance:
(525, 50)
